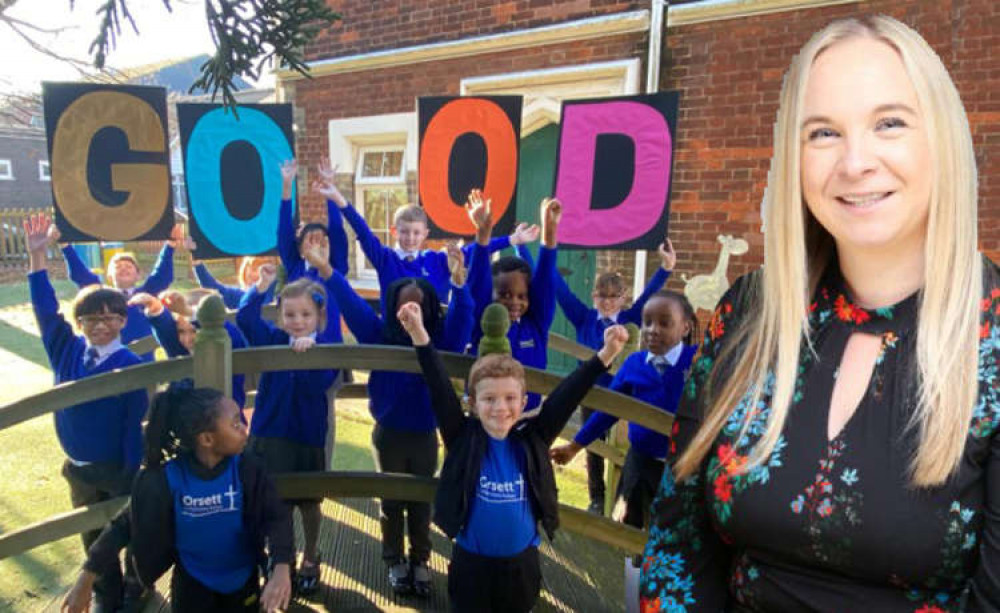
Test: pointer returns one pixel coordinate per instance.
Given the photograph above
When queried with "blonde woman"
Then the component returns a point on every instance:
(836, 448)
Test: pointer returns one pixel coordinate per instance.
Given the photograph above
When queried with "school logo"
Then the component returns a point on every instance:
(528, 343)
(501, 491)
(202, 506)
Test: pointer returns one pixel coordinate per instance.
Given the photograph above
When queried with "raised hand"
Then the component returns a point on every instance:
(551, 213)
(615, 338)
(267, 273)
(37, 231)
(326, 171)
(330, 192)
(524, 234)
(177, 238)
(289, 169)
(149, 302)
(563, 454)
(411, 317)
(668, 259)
(316, 251)
(481, 214)
(456, 264)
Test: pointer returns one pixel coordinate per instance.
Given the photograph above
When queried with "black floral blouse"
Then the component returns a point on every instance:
(831, 525)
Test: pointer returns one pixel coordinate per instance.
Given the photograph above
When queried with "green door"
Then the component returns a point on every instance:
(535, 181)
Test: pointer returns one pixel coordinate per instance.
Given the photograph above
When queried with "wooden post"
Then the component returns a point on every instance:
(213, 359)
(617, 438)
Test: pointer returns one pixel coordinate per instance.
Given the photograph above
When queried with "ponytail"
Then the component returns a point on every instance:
(177, 416)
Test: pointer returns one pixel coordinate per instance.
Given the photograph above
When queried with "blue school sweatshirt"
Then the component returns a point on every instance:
(165, 331)
(529, 337)
(291, 404)
(587, 320)
(103, 430)
(288, 250)
(399, 400)
(428, 264)
(642, 381)
(158, 280)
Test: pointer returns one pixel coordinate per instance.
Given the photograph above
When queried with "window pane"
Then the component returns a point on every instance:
(380, 205)
(393, 161)
(378, 164)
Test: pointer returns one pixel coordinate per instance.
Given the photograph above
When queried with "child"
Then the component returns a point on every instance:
(232, 294)
(609, 300)
(497, 483)
(292, 245)
(409, 258)
(175, 329)
(289, 426)
(201, 506)
(654, 375)
(123, 274)
(404, 436)
(530, 299)
(101, 438)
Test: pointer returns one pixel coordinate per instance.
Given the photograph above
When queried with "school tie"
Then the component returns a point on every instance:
(410, 258)
(91, 362)
(660, 363)
(607, 322)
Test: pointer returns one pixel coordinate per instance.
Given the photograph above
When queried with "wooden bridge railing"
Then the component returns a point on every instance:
(213, 364)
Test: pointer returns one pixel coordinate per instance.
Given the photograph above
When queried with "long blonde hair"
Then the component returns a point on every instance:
(797, 249)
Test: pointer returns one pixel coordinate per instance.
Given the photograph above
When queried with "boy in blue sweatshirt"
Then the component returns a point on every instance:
(654, 375)
(102, 438)
(410, 258)
(123, 274)
(529, 298)
(404, 437)
(590, 323)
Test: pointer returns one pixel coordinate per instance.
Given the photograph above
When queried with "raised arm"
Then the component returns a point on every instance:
(335, 201)
(562, 402)
(444, 402)
(162, 274)
(57, 334)
(372, 247)
(162, 322)
(668, 259)
(573, 308)
(77, 270)
(288, 252)
(256, 330)
(458, 321)
(231, 295)
(361, 319)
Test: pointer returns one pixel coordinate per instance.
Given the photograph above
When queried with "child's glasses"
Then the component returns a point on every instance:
(89, 321)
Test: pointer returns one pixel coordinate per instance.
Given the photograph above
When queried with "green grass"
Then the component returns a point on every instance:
(31, 459)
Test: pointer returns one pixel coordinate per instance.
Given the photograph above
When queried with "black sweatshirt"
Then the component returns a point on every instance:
(147, 522)
(466, 442)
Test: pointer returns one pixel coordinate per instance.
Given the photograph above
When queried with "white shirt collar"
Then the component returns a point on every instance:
(672, 355)
(403, 254)
(613, 317)
(103, 351)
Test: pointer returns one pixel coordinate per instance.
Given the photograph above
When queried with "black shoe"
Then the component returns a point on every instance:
(421, 576)
(307, 579)
(400, 578)
(596, 507)
(135, 597)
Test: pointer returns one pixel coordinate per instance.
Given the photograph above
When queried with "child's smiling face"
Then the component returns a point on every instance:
(499, 402)
(511, 290)
(663, 324)
(299, 316)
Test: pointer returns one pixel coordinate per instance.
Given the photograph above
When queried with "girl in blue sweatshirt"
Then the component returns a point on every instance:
(654, 375)
(289, 425)
(404, 437)
(202, 506)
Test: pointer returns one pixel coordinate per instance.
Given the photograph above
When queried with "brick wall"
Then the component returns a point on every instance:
(728, 72)
(369, 25)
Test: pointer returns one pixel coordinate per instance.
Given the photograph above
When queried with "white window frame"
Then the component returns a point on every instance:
(6, 170)
(361, 183)
(44, 171)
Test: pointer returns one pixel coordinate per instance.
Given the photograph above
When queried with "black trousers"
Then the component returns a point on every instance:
(90, 484)
(640, 480)
(402, 451)
(595, 466)
(479, 584)
(188, 595)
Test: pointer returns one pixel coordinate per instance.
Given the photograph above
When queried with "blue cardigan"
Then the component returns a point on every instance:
(641, 380)
(529, 337)
(158, 280)
(291, 404)
(400, 400)
(103, 430)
